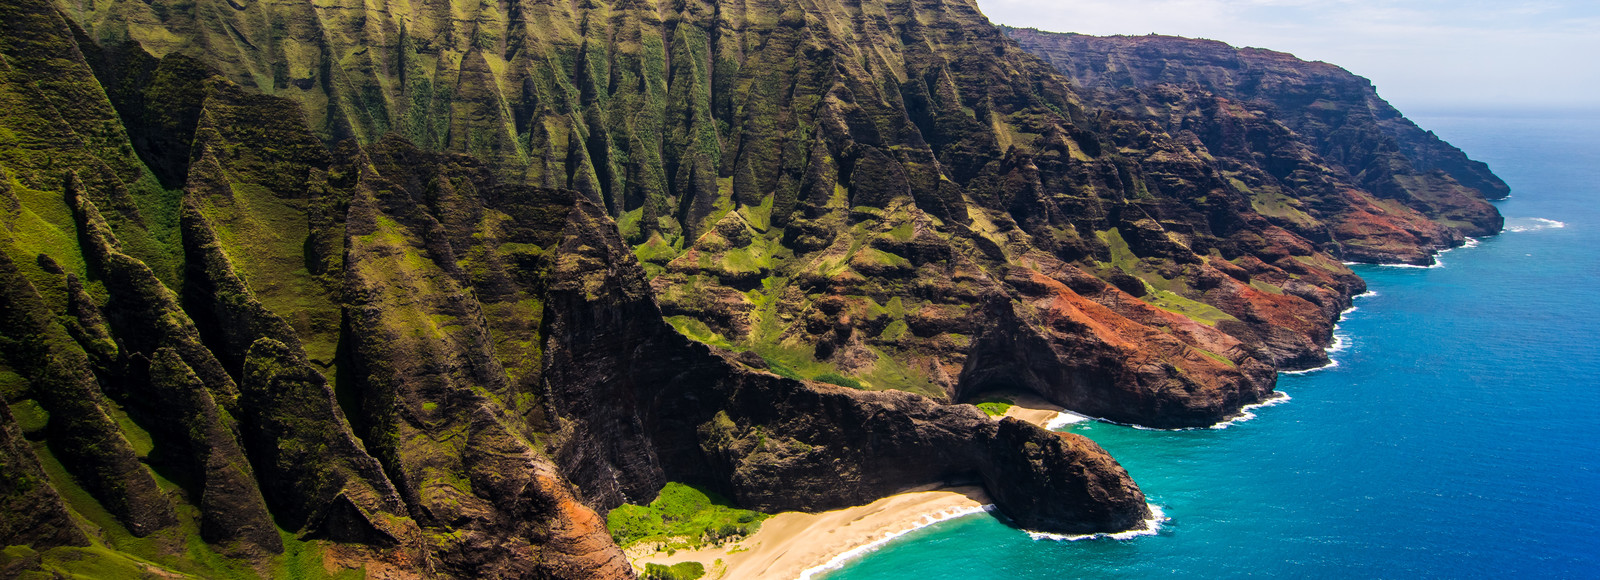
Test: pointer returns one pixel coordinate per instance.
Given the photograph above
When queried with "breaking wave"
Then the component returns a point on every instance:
(1151, 527)
(1246, 413)
(927, 520)
(1519, 225)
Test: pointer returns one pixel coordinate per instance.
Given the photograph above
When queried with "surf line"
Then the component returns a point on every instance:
(927, 520)
(1151, 527)
(1341, 340)
(1538, 224)
(1438, 262)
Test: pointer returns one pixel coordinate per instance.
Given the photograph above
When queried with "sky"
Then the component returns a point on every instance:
(1423, 55)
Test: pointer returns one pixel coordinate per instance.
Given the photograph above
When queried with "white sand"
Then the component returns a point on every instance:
(790, 543)
(793, 544)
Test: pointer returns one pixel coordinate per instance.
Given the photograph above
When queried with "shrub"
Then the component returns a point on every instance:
(994, 406)
(631, 523)
(679, 571)
(993, 409)
(682, 516)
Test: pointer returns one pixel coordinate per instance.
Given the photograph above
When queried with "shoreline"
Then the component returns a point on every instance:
(802, 546)
(795, 545)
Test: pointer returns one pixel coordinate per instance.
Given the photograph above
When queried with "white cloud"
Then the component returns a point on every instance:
(1420, 53)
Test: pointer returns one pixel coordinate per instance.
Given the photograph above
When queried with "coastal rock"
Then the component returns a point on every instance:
(1071, 351)
(1088, 491)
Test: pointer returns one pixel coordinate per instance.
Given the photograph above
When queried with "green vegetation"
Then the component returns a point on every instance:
(1199, 311)
(1265, 286)
(890, 373)
(679, 571)
(993, 409)
(697, 330)
(1271, 201)
(30, 416)
(893, 331)
(780, 369)
(1170, 294)
(994, 406)
(682, 517)
(1322, 262)
(116, 553)
(1214, 356)
(838, 379)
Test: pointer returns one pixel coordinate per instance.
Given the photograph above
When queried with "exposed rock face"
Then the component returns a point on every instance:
(1231, 97)
(649, 406)
(429, 289)
(232, 511)
(320, 476)
(34, 513)
(81, 429)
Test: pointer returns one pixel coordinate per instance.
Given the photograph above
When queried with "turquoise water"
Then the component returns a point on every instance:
(1458, 436)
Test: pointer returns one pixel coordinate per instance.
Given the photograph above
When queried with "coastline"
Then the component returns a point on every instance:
(1052, 417)
(802, 546)
(795, 545)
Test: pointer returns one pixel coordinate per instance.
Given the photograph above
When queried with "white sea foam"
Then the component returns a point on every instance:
(1063, 419)
(1436, 264)
(927, 520)
(1151, 527)
(1532, 224)
(1331, 364)
(1341, 340)
(1467, 242)
(1438, 261)
(1248, 411)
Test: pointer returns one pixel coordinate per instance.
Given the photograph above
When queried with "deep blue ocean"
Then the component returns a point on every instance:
(1458, 435)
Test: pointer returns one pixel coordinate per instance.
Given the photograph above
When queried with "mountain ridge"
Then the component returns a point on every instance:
(439, 332)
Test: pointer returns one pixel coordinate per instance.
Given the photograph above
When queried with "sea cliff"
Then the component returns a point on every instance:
(427, 289)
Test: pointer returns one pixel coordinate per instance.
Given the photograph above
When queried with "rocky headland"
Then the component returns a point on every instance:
(426, 290)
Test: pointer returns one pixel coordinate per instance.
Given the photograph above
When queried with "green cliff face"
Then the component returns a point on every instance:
(319, 289)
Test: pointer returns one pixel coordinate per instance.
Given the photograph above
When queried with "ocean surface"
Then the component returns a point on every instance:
(1458, 435)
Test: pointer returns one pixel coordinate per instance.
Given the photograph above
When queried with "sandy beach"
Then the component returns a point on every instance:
(794, 545)
(790, 543)
(1031, 408)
